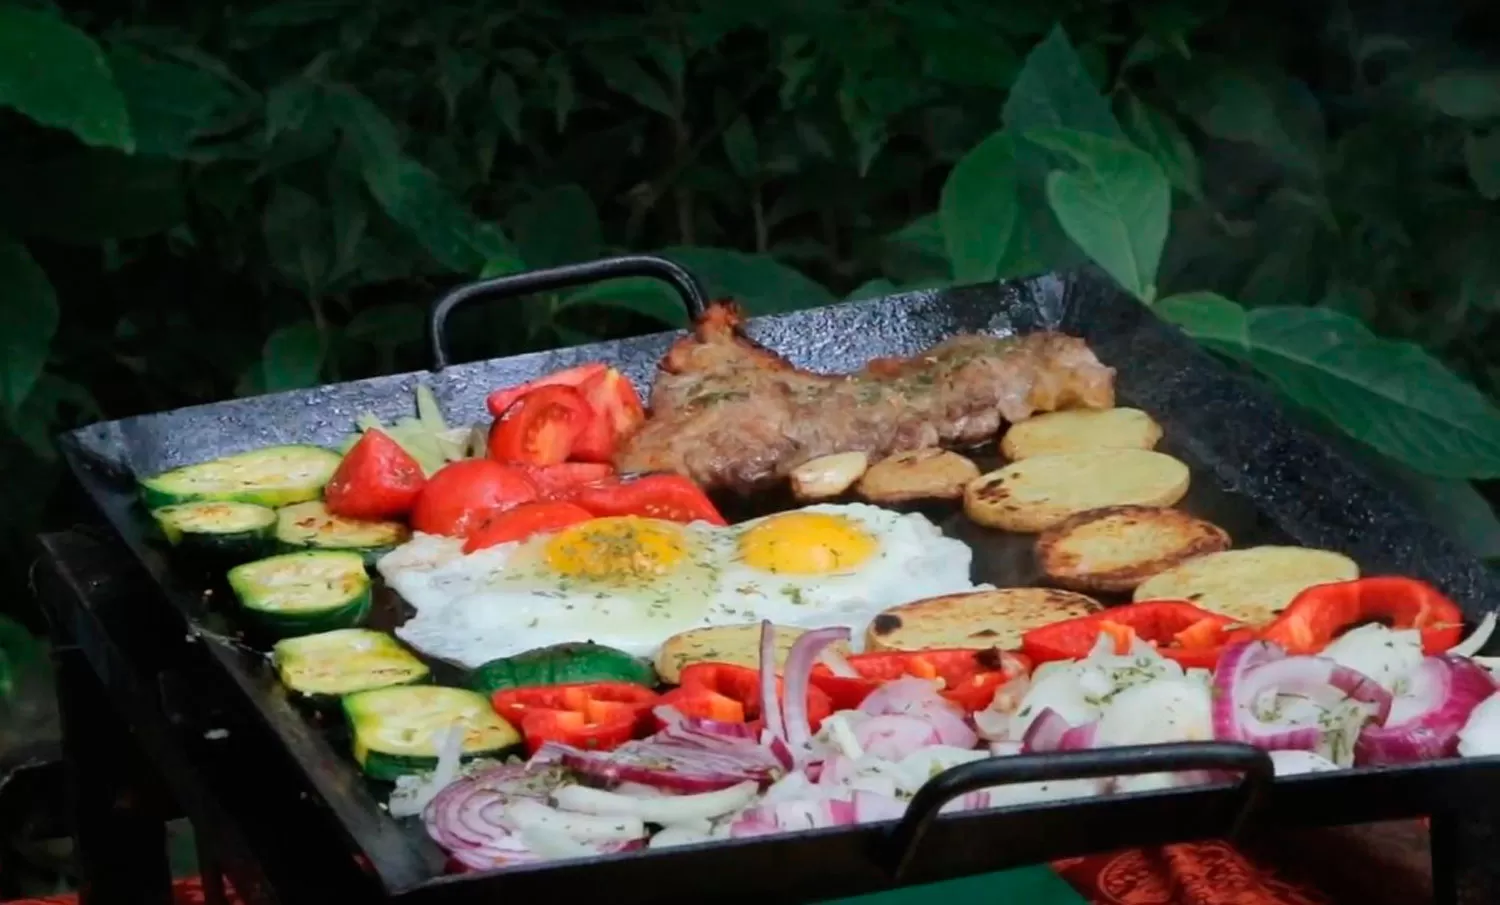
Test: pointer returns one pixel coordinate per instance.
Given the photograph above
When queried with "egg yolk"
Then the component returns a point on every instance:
(806, 543)
(617, 550)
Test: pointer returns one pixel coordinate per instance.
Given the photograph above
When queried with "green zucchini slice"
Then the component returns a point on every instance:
(562, 664)
(400, 730)
(345, 661)
(276, 476)
(310, 526)
(241, 529)
(304, 593)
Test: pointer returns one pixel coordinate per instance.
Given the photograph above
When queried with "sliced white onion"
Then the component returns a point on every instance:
(893, 736)
(1475, 642)
(666, 809)
(1163, 710)
(837, 664)
(672, 836)
(530, 814)
(1290, 763)
(1480, 735)
(1384, 654)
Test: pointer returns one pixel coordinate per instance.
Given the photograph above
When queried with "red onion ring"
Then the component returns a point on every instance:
(894, 736)
(768, 698)
(1445, 690)
(1247, 670)
(798, 676)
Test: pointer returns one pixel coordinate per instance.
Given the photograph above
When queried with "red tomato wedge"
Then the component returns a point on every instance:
(376, 479)
(664, 496)
(524, 521)
(500, 400)
(561, 481)
(615, 400)
(540, 427)
(462, 495)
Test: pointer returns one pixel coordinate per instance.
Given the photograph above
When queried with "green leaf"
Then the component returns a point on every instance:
(458, 70)
(505, 97)
(1264, 108)
(28, 322)
(366, 126)
(1053, 90)
(292, 357)
(740, 148)
(387, 326)
(1465, 93)
(871, 289)
(1210, 319)
(296, 233)
(559, 225)
(980, 209)
(57, 75)
(758, 282)
(170, 104)
(563, 96)
(1482, 155)
(1390, 395)
(89, 195)
(1460, 510)
(1116, 206)
(649, 298)
(629, 78)
(1154, 132)
(416, 199)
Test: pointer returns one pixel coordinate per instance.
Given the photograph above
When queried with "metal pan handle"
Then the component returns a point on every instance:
(1253, 764)
(518, 284)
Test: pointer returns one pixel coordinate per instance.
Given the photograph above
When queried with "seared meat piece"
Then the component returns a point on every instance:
(731, 414)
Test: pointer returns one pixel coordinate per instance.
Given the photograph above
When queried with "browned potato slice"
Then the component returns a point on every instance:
(1080, 430)
(1034, 494)
(738, 644)
(826, 477)
(975, 619)
(1118, 547)
(921, 474)
(1252, 585)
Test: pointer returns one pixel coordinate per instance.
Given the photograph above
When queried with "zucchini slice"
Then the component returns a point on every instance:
(213, 526)
(562, 664)
(275, 476)
(310, 526)
(304, 593)
(345, 661)
(399, 730)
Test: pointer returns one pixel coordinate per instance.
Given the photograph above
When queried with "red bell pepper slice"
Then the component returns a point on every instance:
(711, 691)
(1321, 613)
(591, 715)
(524, 521)
(664, 496)
(376, 479)
(501, 400)
(541, 427)
(969, 678)
(1178, 630)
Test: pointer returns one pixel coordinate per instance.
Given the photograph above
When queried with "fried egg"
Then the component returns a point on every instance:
(630, 583)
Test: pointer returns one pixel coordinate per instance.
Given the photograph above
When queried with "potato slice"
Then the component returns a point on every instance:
(1251, 585)
(1034, 494)
(919, 474)
(739, 644)
(1118, 547)
(826, 477)
(1080, 430)
(975, 619)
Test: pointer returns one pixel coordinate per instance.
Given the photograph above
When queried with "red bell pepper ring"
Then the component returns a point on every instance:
(664, 496)
(1178, 630)
(501, 400)
(591, 715)
(730, 693)
(524, 521)
(376, 479)
(969, 677)
(1322, 612)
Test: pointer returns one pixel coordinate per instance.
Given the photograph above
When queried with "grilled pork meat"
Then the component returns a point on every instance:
(733, 415)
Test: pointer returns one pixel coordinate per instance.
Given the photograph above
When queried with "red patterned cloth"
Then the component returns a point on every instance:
(1189, 873)
(185, 891)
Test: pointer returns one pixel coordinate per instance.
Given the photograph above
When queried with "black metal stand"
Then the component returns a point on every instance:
(1465, 866)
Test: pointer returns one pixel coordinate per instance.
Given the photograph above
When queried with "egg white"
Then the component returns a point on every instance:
(505, 600)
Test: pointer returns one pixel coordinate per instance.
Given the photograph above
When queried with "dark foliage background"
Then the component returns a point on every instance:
(201, 200)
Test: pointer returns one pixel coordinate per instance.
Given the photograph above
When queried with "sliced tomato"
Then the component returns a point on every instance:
(376, 479)
(540, 427)
(664, 496)
(500, 400)
(510, 525)
(462, 495)
(562, 480)
(612, 395)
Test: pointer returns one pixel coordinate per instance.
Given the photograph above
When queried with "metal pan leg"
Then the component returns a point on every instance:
(121, 837)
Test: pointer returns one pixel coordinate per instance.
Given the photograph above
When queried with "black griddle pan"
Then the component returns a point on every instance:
(1258, 470)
